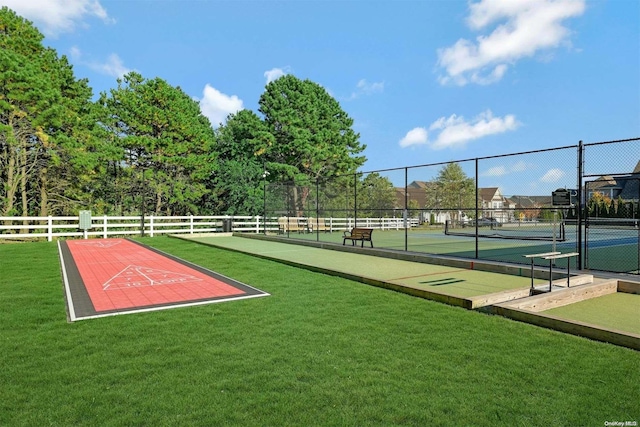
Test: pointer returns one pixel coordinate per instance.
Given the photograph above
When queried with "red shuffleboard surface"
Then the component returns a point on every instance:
(114, 276)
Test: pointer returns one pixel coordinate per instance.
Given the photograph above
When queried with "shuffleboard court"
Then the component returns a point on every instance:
(458, 282)
(114, 276)
(605, 250)
(619, 310)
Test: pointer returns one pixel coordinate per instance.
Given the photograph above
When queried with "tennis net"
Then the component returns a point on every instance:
(519, 230)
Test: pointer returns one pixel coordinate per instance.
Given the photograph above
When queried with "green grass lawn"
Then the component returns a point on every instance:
(320, 350)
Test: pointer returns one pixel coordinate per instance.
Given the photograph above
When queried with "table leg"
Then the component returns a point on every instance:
(532, 274)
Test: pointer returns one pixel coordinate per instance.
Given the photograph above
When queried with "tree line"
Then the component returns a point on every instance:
(145, 145)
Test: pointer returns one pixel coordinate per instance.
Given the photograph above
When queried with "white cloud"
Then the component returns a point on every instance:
(113, 66)
(75, 53)
(519, 167)
(495, 171)
(217, 106)
(553, 175)
(504, 170)
(416, 136)
(58, 16)
(363, 87)
(275, 73)
(456, 131)
(369, 88)
(528, 27)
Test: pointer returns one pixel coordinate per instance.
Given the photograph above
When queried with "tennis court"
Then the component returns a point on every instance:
(105, 277)
(607, 250)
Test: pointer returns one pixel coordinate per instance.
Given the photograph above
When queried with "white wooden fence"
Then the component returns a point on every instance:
(104, 226)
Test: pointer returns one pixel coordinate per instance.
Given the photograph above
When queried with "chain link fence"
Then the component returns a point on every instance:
(611, 182)
(496, 208)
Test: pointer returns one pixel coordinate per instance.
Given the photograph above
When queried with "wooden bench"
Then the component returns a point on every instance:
(289, 224)
(358, 234)
(317, 224)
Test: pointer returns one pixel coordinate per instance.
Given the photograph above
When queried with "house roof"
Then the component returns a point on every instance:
(488, 193)
(530, 202)
(605, 181)
(631, 189)
(419, 184)
(629, 185)
(417, 194)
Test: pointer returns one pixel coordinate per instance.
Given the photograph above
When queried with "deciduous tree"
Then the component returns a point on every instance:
(453, 190)
(376, 196)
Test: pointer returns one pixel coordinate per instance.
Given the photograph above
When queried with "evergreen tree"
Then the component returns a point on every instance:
(167, 144)
(43, 123)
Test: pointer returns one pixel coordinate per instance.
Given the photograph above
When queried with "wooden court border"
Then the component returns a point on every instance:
(502, 303)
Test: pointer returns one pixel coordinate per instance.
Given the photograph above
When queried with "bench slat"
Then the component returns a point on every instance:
(559, 256)
(361, 234)
(541, 255)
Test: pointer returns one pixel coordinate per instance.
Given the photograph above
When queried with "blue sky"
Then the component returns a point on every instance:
(424, 81)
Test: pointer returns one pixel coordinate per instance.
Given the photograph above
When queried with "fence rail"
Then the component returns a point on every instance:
(602, 179)
(51, 227)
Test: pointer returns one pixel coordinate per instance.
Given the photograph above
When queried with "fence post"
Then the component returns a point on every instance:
(257, 224)
(190, 224)
(476, 212)
(49, 228)
(580, 205)
(151, 225)
(104, 227)
(406, 208)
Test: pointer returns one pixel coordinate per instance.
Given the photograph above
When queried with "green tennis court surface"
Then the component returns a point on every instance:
(606, 251)
(445, 280)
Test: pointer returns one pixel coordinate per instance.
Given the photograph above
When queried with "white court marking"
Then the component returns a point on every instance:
(134, 276)
(100, 244)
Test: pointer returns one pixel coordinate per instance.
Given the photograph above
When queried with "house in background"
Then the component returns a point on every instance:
(627, 187)
(416, 196)
(529, 207)
(494, 205)
(491, 203)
